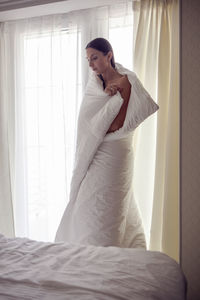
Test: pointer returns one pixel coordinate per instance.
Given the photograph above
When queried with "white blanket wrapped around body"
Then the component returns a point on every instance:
(102, 210)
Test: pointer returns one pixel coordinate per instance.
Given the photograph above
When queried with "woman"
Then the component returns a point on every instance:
(102, 210)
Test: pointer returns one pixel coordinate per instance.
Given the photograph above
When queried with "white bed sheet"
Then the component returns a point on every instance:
(57, 271)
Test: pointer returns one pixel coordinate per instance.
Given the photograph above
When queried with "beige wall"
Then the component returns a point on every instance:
(190, 145)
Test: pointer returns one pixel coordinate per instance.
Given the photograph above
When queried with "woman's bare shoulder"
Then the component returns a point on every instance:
(124, 80)
(124, 83)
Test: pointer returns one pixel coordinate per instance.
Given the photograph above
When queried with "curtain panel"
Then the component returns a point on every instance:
(6, 143)
(156, 61)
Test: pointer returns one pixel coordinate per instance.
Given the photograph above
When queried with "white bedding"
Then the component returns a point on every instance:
(61, 271)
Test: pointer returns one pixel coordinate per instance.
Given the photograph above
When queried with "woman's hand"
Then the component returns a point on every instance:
(112, 89)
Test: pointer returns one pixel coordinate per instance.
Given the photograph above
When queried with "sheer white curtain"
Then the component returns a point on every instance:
(43, 73)
(6, 141)
(46, 70)
(156, 58)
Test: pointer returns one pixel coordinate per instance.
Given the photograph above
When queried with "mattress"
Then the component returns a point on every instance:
(40, 270)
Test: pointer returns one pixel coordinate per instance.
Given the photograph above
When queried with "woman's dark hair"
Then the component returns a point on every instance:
(104, 46)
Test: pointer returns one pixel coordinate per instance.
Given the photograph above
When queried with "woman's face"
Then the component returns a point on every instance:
(98, 61)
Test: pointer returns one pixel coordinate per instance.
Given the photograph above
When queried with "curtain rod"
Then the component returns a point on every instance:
(53, 8)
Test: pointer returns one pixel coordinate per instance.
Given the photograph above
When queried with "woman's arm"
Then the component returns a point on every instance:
(124, 87)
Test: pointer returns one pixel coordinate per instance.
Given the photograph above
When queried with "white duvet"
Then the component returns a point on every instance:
(61, 271)
(102, 210)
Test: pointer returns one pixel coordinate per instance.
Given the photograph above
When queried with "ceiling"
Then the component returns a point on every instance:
(10, 4)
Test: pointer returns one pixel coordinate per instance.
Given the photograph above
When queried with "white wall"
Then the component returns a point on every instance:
(190, 145)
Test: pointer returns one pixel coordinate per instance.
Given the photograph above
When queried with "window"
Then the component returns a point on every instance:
(52, 97)
(121, 39)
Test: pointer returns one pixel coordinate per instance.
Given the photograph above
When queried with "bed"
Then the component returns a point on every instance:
(59, 271)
